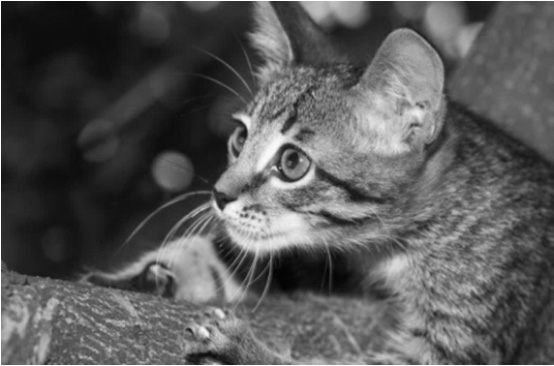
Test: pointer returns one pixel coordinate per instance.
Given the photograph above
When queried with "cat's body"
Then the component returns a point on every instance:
(446, 219)
(478, 274)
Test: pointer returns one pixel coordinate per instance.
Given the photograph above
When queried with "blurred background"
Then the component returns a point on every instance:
(110, 110)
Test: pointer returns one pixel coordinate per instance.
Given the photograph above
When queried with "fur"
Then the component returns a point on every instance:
(408, 194)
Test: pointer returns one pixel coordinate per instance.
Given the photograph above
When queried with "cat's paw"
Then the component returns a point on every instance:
(219, 336)
(157, 279)
(189, 270)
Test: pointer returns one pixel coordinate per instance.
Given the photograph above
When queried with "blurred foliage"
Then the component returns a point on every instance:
(110, 109)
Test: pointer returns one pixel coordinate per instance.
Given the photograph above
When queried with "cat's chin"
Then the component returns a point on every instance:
(263, 243)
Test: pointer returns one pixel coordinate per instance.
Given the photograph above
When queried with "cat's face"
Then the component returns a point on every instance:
(299, 172)
(326, 155)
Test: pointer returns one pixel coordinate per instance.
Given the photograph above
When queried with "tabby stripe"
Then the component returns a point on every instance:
(257, 181)
(330, 216)
(354, 193)
(340, 220)
(291, 120)
(304, 134)
(421, 333)
(460, 319)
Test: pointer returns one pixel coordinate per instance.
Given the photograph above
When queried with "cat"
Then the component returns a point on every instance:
(444, 217)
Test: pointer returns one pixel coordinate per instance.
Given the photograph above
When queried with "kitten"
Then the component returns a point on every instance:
(449, 220)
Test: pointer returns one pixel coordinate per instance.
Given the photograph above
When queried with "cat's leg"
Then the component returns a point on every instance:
(190, 270)
(152, 277)
(222, 337)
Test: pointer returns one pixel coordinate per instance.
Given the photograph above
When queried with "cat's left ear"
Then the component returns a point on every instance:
(408, 72)
(284, 34)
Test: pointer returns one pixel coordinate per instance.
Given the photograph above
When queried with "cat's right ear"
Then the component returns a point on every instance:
(407, 66)
(284, 34)
(406, 77)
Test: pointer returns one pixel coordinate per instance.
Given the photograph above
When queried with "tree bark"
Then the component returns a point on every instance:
(508, 77)
(59, 322)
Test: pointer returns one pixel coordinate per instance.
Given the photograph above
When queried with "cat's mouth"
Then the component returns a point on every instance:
(259, 241)
(254, 234)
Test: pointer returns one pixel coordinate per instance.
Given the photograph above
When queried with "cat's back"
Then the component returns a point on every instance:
(506, 171)
(502, 184)
(505, 193)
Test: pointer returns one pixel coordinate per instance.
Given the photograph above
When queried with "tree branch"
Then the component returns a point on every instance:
(52, 321)
(507, 77)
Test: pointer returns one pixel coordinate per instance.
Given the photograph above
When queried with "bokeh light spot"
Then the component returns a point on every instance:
(351, 14)
(172, 171)
(153, 23)
(202, 6)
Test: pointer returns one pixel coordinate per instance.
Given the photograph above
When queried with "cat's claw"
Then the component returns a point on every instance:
(198, 332)
(217, 336)
(218, 313)
(222, 337)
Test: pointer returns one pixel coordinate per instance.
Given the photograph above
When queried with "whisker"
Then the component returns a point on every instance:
(209, 215)
(223, 85)
(234, 269)
(325, 269)
(330, 264)
(195, 228)
(252, 265)
(188, 170)
(188, 100)
(240, 257)
(252, 273)
(267, 282)
(243, 254)
(260, 274)
(171, 234)
(172, 202)
(228, 66)
(192, 231)
(246, 57)
(156, 211)
(201, 108)
(211, 221)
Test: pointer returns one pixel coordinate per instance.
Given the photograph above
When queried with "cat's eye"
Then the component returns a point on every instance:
(237, 140)
(293, 164)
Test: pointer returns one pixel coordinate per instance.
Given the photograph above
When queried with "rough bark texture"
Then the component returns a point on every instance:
(58, 322)
(508, 77)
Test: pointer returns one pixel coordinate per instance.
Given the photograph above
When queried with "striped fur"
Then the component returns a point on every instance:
(434, 206)
(447, 219)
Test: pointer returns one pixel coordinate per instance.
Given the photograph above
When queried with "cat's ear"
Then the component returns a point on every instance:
(285, 34)
(407, 66)
(409, 73)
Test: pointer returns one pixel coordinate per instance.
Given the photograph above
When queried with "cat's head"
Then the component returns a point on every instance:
(327, 153)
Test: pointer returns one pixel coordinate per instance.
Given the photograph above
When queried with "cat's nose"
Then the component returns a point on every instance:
(222, 199)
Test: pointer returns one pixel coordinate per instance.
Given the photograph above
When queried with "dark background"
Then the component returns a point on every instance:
(109, 110)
